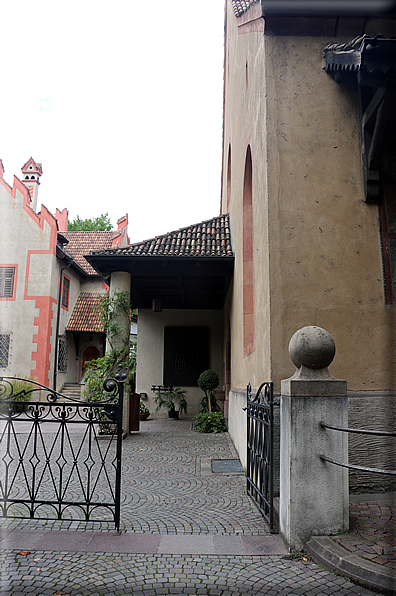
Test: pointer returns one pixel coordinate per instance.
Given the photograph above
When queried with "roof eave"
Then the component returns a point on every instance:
(326, 8)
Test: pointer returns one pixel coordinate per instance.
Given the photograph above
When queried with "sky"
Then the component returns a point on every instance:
(120, 102)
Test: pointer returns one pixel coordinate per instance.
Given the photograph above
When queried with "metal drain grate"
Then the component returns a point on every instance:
(227, 466)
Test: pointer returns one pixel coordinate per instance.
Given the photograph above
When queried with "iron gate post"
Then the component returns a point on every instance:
(120, 378)
(260, 450)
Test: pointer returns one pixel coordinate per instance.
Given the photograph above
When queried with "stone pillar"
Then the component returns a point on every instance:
(121, 281)
(314, 494)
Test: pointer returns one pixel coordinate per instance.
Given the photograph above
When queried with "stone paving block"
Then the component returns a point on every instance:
(186, 545)
(258, 545)
(124, 543)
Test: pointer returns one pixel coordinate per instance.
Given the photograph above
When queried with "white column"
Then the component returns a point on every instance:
(121, 282)
(314, 494)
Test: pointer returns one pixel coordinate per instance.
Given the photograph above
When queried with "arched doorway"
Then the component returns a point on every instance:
(89, 353)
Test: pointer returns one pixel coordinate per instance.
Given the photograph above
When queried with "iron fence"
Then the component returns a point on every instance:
(260, 450)
(54, 462)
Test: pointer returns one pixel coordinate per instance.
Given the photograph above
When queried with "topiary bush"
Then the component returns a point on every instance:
(210, 422)
(208, 381)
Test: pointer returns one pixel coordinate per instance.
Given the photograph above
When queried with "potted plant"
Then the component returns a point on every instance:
(208, 381)
(172, 399)
(144, 412)
(210, 418)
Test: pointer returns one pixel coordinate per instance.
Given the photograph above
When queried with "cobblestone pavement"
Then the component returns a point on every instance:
(108, 574)
(168, 488)
(372, 532)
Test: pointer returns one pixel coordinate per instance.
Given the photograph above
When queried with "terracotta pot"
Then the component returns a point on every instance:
(144, 415)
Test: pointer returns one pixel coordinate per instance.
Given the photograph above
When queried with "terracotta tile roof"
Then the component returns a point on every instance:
(241, 6)
(85, 315)
(80, 243)
(209, 238)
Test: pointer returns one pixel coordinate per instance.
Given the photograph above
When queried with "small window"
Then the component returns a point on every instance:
(4, 349)
(62, 353)
(7, 275)
(65, 292)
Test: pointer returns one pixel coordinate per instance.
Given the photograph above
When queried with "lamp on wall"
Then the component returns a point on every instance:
(156, 305)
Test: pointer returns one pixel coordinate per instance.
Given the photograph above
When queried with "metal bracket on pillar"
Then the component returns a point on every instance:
(372, 124)
(370, 65)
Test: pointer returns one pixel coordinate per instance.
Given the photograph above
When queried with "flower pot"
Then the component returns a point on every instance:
(173, 414)
(144, 415)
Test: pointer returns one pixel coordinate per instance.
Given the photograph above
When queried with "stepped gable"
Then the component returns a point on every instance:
(209, 238)
(80, 243)
(85, 316)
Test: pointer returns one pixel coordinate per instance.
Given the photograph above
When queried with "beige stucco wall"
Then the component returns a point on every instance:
(244, 124)
(325, 252)
(150, 350)
(24, 243)
(317, 252)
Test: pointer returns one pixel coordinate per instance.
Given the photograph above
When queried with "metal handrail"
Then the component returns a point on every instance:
(378, 433)
(354, 467)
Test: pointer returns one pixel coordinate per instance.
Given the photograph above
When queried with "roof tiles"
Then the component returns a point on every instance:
(80, 243)
(86, 315)
(209, 238)
(241, 6)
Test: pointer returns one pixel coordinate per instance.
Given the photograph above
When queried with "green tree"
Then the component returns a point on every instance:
(97, 224)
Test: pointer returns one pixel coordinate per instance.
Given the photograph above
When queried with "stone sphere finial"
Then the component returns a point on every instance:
(312, 347)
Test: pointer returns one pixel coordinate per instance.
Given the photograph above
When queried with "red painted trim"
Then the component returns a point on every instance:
(249, 345)
(44, 303)
(43, 339)
(15, 283)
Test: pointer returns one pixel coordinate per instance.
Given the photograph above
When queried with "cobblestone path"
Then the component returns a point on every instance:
(168, 489)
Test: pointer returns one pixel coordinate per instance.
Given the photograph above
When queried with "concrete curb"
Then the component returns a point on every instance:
(334, 557)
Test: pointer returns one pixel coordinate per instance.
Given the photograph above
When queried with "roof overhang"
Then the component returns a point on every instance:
(325, 8)
(178, 282)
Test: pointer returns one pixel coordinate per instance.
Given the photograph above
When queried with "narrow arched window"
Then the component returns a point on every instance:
(248, 259)
(229, 178)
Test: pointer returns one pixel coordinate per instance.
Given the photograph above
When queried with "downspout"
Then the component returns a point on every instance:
(57, 325)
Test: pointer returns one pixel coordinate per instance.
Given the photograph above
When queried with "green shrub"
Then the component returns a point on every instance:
(21, 392)
(208, 381)
(168, 397)
(210, 422)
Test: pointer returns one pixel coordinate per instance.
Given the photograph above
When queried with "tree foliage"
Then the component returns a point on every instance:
(208, 381)
(94, 224)
(98, 370)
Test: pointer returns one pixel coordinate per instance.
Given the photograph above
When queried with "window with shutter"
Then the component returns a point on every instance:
(65, 292)
(7, 275)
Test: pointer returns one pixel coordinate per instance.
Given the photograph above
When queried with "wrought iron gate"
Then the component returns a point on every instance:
(54, 461)
(260, 449)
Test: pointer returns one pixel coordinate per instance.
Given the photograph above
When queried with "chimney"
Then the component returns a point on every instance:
(63, 218)
(31, 173)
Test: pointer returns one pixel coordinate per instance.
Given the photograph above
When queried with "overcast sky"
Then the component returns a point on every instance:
(121, 103)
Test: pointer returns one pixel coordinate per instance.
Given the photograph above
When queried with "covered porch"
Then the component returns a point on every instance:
(179, 284)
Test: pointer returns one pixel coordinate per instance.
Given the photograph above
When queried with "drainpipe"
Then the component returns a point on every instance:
(57, 325)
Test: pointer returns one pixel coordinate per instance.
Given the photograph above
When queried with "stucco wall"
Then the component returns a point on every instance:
(244, 124)
(28, 242)
(317, 250)
(150, 350)
(325, 251)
